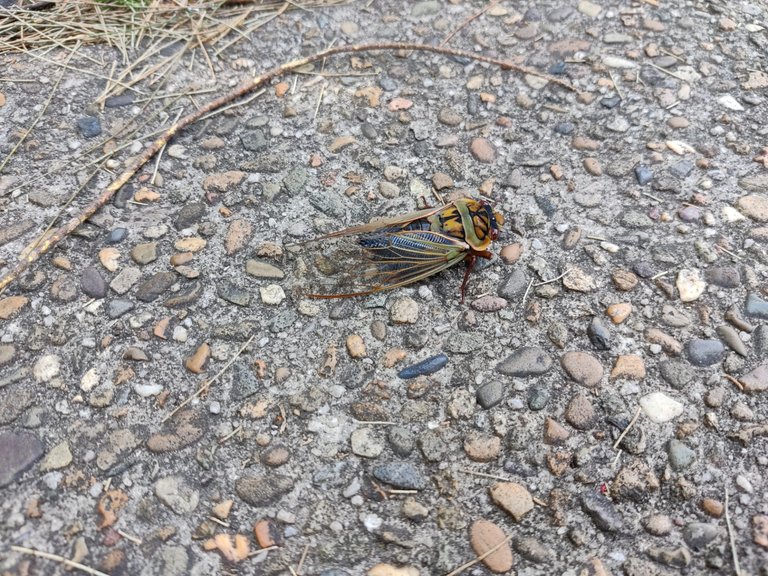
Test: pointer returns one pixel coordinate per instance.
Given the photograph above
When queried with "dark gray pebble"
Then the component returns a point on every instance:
(610, 102)
(92, 284)
(514, 286)
(124, 99)
(565, 128)
(677, 373)
(490, 394)
(401, 440)
(190, 214)
(186, 297)
(118, 307)
(123, 196)
(263, 489)
(156, 285)
(387, 84)
(680, 456)
(416, 338)
(254, 140)
(723, 276)
(599, 334)
(601, 511)
(756, 307)
(117, 235)
(89, 126)
(698, 534)
(427, 366)
(18, 452)
(284, 320)
(760, 340)
(400, 474)
(681, 169)
(643, 174)
(233, 294)
(644, 269)
(689, 214)
(538, 397)
(704, 352)
(532, 550)
(369, 131)
(525, 361)
(558, 68)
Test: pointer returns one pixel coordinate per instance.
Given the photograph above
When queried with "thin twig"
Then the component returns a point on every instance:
(731, 538)
(525, 296)
(60, 559)
(660, 69)
(463, 25)
(563, 275)
(480, 558)
(208, 383)
(626, 430)
(660, 274)
(735, 381)
(302, 559)
(484, 475)
(129, 537)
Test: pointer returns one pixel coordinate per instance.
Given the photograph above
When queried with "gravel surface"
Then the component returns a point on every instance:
(597, 405)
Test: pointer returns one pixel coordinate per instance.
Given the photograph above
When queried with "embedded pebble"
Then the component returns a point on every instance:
(690, 285)
(272, 294)
(526, 361)
(702, 352)
(660, 408)
(513, 498)
(583, 368)
(427, 366)
(404, 311)
(485, 536)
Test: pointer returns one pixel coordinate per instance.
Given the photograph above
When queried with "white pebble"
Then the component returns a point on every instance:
(214, 407)
(660, 408)
(744, 484)
(272, 294)
(180, 334)
(147, 390)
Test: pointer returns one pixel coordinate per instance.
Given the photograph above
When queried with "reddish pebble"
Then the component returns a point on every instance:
(485, 536)
(482, 150)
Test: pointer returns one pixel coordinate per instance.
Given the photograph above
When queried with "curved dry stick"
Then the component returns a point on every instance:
(246, 87)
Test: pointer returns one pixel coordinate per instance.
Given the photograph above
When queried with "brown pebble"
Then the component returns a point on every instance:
(559, 462)
(511, 253)
(489, 303)
(356, 346)
(110, 258)
(619, 312)
(145, 194)
(584, 143)
(484, 536)
(482, 448)
(592, 166)
(556, 171)
(554, 432)
(222, 182)
(193, 244)
(268, 533)
(62, 263)
(281, 88)
(275, 456)
(340, 142)
(658, 524)
(161, 328)
(513, 498)
(482, 150)
(669, 344)
(181, 258)
(196, 362)
(712, 507)
(760, 530)
(629, 366)
(222, 509)
(144, 253)
(678, 122)
(583, 368)
(238, 236)
(393, 356)
(441, 181)
(624, 280)
(580, 413)
(10, 306)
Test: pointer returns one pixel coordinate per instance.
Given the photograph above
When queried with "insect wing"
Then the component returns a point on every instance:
(355, 264)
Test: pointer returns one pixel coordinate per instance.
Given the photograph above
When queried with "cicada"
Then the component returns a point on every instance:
(391, 252)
